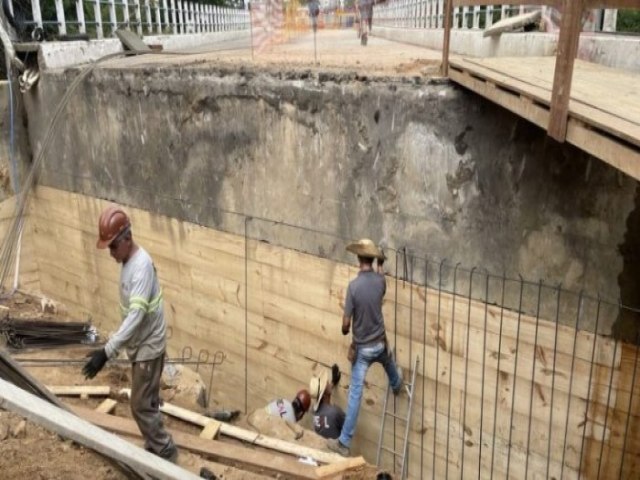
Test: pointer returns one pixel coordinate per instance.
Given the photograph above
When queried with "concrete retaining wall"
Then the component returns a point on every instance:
(20, 147)
(66, 54)
(429, 167)
(611, 50)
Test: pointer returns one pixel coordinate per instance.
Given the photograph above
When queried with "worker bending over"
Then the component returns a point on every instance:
(327, 418)
(290, 411)
(142, 331)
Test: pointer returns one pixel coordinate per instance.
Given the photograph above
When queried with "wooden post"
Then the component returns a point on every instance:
(570, 26)
(448, 10)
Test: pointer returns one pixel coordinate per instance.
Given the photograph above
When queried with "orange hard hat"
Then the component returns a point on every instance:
(112, 222)
(304, 398)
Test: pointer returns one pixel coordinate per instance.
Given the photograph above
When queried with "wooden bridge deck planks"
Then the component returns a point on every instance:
(604, 109)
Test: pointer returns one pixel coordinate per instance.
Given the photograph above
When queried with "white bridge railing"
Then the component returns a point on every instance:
(430, 14)
(100, 18)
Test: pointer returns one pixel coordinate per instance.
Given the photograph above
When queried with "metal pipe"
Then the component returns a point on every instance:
(586, 412)
(573, 359)
(515, 371)
(533, 382)
(450, 350)
(466, 374)
(553, 379)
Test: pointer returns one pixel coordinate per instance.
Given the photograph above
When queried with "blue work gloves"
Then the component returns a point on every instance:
(95, 364)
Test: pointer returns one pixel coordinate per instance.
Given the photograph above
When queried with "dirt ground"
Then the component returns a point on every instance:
(336, 53)
(27, 450)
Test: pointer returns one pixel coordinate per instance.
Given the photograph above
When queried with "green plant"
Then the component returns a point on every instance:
(628, 21)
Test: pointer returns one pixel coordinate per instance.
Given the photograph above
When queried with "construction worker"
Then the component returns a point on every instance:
(364, 9)
(363, 308)
(290, 411)
(327, 418)
(142, 331)
(314, 11)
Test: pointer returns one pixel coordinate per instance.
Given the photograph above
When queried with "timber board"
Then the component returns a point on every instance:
(604, 110)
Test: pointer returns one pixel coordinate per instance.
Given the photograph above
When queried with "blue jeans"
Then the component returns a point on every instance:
(365, 356)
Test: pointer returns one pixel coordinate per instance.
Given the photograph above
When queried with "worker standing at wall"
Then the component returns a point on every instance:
(363, 308)
(314, 12)
(142, 332)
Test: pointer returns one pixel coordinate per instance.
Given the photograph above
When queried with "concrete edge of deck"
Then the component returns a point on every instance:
(605, 49)
(53, 55)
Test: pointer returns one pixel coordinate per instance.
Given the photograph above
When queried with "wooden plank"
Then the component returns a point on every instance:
(210, 430)
(77, 390)
(70, 426)
(614, 110)
(515, 103)
(448, 19)
(570, 26)
(512, 23)
(328, 471)
(107, 406)
(246, 435)
(131, 41)
(255, 459)
(603, 147)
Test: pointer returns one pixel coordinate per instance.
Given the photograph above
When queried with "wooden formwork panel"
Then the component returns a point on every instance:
(496, 391)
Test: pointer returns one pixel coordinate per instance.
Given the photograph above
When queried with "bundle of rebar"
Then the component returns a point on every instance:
(43, 333)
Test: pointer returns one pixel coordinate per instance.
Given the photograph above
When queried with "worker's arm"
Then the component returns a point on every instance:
(346, 325)
(141, 287)
(348, 312)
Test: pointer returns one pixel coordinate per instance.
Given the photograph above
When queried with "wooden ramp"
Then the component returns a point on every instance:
(604, 109)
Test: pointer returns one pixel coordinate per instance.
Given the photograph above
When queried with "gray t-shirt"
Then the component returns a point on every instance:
(328, 420)
(282, 408)
(364, 304)
(143, 327)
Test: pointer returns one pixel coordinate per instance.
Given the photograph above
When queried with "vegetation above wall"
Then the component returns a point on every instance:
(628, 21)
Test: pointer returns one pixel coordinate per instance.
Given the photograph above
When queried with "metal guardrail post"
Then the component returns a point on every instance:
(62, 25)
(97, 13)
(80, 15)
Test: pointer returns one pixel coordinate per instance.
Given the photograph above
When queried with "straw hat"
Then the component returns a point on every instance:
(317, 387)
(365, 248)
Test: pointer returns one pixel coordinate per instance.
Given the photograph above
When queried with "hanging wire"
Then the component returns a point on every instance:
(573, 359)
(533, 382)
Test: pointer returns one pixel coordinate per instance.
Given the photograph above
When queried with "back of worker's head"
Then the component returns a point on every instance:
(301, 403)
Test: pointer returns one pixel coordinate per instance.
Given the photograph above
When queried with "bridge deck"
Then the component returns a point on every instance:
(604, 111)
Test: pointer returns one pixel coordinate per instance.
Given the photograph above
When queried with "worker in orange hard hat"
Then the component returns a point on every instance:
(291, 411)
(142, 331)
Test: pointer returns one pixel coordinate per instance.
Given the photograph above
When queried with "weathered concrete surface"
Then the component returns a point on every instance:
(615, 51)
(53, 55)
(20, 148)
(427, 166)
